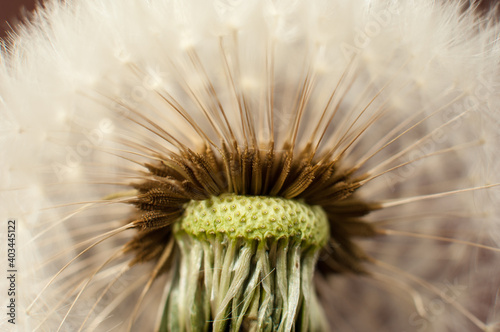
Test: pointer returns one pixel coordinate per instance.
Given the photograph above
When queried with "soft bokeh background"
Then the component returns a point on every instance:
(12, 11)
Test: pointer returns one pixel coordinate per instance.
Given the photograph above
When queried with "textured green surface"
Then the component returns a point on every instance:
(256, 218)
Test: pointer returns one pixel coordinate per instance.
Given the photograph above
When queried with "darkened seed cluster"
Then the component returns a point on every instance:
(179, 180)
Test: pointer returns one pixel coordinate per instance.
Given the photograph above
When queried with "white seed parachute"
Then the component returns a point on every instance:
(404, 93)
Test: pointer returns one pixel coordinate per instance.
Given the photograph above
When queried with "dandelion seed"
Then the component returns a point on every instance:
(254, 166)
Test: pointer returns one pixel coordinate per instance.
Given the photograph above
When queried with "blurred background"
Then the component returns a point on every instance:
(14, 11)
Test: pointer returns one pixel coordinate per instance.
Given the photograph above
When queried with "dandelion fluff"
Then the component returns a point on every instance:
(118, 117)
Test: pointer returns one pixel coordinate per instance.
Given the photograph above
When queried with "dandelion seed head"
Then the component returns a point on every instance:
(356, 104)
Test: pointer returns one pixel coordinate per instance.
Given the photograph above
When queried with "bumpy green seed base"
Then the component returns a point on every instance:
(256, 218)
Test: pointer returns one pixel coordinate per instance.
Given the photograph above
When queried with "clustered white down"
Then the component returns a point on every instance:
(78, 82)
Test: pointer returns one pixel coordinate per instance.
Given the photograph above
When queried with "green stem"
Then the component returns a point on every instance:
(227, 283)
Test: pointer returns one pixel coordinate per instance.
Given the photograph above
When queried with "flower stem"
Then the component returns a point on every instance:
(228, 283)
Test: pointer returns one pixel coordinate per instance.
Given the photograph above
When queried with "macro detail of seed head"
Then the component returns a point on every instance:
(218, 165)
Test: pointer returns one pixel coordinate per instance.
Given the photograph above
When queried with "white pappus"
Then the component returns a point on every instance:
(385, 114)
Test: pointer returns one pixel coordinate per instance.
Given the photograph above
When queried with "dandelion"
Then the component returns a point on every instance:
(253, 165)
